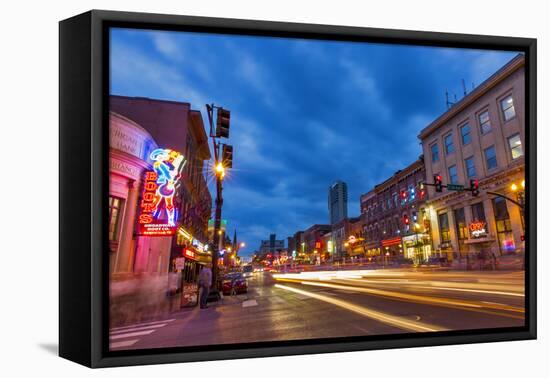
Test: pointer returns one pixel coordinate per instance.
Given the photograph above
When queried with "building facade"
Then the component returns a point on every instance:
(347, 238)
(271, 246)
(479, 138)
(175, 126)
(312, 242)
(394, 216)
(337, 202)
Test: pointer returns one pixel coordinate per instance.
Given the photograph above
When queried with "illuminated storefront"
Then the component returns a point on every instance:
(417, 247)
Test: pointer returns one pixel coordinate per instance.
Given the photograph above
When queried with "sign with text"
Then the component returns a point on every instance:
(478, 229)
(157, 211)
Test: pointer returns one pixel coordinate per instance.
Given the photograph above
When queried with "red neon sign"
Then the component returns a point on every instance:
(148, 224)
(189, 253)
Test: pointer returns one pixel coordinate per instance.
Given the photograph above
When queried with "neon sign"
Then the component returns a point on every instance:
(158, 213)
(189, 253)
(478, 229)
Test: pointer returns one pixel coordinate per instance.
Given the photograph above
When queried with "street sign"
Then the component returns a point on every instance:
(455, 187)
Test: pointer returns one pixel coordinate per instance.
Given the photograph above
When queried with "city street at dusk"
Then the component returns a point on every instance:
(262, 206)
(329, 304)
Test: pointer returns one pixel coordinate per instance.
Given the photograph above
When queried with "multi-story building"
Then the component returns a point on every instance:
(271, 246)
(337, 202)
(175, 126)
(312, 243)
(394, 216)
(481, 138)
(296, 245)
(347, 238)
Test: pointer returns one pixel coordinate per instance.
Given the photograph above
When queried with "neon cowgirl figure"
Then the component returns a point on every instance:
(167, 164)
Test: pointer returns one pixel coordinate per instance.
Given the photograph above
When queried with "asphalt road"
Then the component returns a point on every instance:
(337, 304)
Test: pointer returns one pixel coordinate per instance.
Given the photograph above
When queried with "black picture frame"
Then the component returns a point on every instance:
(83, 164)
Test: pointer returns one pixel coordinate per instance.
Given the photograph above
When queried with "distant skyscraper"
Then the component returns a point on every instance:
(337, 202)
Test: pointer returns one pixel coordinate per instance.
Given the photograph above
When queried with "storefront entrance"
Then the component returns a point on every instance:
(417, 248)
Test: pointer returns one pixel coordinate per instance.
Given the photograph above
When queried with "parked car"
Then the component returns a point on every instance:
(234, 283)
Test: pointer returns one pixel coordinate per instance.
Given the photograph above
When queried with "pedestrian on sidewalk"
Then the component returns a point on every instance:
(205, 281)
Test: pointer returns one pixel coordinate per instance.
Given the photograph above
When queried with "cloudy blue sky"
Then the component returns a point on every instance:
(304, 113)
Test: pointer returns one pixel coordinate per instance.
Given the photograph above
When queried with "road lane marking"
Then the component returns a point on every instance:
(132, 334)
(138, 328)
(250, 303)
(142, 324)
(393, 320)
(122, 344)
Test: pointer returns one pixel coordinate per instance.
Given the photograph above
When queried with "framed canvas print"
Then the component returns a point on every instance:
(234, 188)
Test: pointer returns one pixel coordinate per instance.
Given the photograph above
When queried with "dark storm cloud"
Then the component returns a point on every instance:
(304, 113)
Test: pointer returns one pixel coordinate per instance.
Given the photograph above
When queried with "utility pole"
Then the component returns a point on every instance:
(220, 164)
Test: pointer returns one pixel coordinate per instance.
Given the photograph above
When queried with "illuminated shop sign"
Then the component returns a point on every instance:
(391, 242)
(189, 253)
(157, 211)
(478, 229)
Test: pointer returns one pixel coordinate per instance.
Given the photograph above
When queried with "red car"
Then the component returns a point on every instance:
(234, 283)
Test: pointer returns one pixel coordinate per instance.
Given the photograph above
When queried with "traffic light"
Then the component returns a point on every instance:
(474, 187)
(421, 190)
(403, 195)
(222, 123)
(405, 219)
(227, 156)
(438, 183)
(415, 216)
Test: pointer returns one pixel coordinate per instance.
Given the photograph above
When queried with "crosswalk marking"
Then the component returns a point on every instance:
(138, 328)
(276, 300)
(250, 303)
(122, 344)
(129, 335)
(132, 334)
(143, 324)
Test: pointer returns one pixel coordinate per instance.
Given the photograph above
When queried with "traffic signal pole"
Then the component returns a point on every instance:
(465, 189)
(226, 161)
(218, 202)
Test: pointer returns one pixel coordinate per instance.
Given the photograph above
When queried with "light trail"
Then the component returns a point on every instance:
(417, 298)
(452, 286)
(393, 320)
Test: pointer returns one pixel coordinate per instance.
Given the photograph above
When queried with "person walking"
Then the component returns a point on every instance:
(205, 281)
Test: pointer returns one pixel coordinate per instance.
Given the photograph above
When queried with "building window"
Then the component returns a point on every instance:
(461, 226)
(484, 122)
(449, 146)
(470, 167)
(504, 226)
(435, 152)
(507, 107)
(444, 228)
(491, 157)
(478, 212)
(453, 174)
(516, 148)
(466, 135)
(115, 208)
